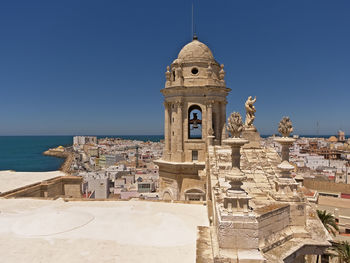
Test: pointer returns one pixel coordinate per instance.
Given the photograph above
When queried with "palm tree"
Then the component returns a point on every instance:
(328, 220)
(342, 251)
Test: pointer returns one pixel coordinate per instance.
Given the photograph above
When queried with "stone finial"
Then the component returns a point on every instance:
(167, 73)
(222, 72)
(285, 127)
(235, 124)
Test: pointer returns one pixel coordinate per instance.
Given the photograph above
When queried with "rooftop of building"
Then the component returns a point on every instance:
(99, 231)
(10, 180)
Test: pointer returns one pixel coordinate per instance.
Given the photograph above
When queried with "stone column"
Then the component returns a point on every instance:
(236, 155)
(217, 122)
(179, 127)
(173, 118)
(286, 186)
(210, 115)
(210, 136)
(285, 152)
(222, 118)
(167, 131)
(285, 142)
(235, 195)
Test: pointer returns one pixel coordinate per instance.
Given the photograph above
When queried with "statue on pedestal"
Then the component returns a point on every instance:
(250, 111)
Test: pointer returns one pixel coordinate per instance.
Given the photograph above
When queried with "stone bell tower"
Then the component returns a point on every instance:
(195, 107)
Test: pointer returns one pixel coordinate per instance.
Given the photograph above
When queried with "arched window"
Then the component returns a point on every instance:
(195, 122)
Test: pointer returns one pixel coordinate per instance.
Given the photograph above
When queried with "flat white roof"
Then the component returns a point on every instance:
(10, 180)
(99, 231)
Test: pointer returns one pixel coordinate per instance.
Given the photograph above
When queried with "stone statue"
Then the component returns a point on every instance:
(285, 127)
(179, 74)
(250, 111)
(222, 72)
(235, 124)
(167, 74)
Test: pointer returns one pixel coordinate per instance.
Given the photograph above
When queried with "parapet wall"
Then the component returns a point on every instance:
(327, 186)
(66, 186)
(272, 222)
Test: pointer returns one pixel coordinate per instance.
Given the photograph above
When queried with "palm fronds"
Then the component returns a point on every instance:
(342, 251)
(328, 220)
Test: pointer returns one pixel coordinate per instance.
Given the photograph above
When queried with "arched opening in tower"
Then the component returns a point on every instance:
(195, 122)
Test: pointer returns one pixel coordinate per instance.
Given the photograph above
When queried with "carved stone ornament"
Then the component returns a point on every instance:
(222, 72)
(285, 127)
(167, 73)
(235, 124)
(250, 111)
(210, 131)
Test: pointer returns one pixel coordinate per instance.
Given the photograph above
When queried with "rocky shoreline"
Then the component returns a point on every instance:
(59, 153)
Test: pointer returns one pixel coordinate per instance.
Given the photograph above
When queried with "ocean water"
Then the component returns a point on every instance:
(25, 153)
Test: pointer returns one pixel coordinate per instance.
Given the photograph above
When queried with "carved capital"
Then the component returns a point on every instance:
(179, 103)
(210, 103)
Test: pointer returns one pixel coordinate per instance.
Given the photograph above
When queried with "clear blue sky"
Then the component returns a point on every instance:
(96, 67)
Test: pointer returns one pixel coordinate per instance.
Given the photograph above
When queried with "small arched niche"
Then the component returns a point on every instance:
(194, 122)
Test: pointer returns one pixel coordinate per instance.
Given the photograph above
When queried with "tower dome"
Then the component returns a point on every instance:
(195, 50)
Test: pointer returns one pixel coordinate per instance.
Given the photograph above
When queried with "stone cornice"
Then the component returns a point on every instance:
(197, 89)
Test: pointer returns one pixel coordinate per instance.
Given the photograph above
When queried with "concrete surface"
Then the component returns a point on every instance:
(98, 231)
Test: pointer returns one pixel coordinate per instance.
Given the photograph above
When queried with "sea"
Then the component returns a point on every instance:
(25, 153)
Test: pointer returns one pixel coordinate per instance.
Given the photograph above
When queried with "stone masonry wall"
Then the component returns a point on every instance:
(326, 186)
(272, 222)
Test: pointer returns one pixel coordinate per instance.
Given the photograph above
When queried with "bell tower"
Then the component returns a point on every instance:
(195, 107)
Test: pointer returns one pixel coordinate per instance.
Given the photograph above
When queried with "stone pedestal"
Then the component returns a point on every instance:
(286, 142)
(235, 144)
(236, 199)
(285, 185)
(252, 135)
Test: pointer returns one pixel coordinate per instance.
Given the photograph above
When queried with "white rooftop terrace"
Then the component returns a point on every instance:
(10, 180)
(99, 231)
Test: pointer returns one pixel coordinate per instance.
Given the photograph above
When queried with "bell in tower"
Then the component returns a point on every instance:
(195, 102)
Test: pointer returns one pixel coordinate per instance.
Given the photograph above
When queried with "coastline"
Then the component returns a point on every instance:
(59, 153)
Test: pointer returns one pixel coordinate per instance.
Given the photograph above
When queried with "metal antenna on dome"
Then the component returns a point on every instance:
(193, 28)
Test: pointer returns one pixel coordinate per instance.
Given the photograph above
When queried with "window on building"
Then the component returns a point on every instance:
(194, 71)
(194, 156)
